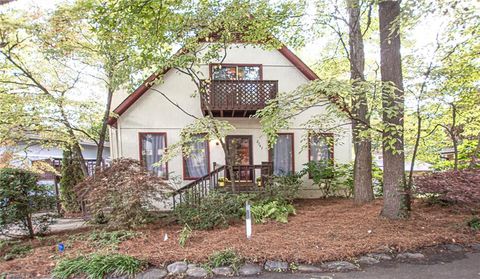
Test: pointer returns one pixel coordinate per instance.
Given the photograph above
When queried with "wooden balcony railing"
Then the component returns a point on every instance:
(237, 98)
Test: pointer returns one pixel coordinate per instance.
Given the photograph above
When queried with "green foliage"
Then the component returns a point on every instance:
(284, 188)
(273, 210)
(474, 223)
(184, 235)
(71, 175)
(216, 210)
(110, 238)
(227, 257)
(97, 266)
(17, 251)
(20, 197)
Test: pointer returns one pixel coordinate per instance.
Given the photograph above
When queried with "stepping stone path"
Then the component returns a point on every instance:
(453, 247)
(276, 266)
(153, 273)
(249, 269)
(223, 271)
(198, 272)
(415, 256)
(380, 256)
(308, 268)
(368, 260)
(339, 266)
(177, 268)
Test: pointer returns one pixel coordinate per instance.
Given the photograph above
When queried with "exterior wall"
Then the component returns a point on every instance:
(153, 113)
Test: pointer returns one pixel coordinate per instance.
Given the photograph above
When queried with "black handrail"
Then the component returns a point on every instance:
(199, 187)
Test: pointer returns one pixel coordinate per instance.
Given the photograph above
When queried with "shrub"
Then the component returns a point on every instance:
(474, 223)
(228, 257)
(284, 188)
(273, 210)
(123, 194)
(71, 175)
(20, 197)
(97, 266)
(459, 187)
(216, 210)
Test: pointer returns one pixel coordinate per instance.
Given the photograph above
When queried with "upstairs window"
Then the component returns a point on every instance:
(236, 72)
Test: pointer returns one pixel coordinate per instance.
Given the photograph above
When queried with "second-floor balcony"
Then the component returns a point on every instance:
(237, 98)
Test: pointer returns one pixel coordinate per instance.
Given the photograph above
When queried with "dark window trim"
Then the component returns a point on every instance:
(140, 147)
(270, 151)
(184, 162)
(332, 154)
(235, 65)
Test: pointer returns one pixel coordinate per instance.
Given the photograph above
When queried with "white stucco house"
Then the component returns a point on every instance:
(145, 123)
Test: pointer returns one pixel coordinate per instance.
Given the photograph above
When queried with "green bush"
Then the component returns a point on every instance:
(97, 266)
(273, 210)
(228, 257)
(216, 210)
(71, 175)
(284, 188)
(20, 197)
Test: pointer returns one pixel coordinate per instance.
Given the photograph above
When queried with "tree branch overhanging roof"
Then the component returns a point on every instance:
(149, 82)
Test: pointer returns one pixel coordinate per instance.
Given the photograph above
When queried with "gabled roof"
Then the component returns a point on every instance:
(132, 98)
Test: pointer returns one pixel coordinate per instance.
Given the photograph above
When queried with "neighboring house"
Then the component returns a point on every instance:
(249, 76)
(418, 169)
(32, 153)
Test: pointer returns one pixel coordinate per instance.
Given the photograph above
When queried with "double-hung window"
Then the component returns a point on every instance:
(282, 156)
(152, 148)
(196, 163)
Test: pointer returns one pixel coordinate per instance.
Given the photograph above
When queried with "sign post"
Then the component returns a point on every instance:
(248, 220)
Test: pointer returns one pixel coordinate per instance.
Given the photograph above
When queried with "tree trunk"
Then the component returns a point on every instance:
(395, 194)
(103, 131)
(362, 174)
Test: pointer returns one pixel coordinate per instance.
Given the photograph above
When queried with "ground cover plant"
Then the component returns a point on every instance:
(328, 229)
(96, 266)
(227, 257)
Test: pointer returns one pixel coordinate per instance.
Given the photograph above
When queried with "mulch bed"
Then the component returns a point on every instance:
(322, 230)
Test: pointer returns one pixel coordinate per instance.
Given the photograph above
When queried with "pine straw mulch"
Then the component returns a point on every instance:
(322, 230)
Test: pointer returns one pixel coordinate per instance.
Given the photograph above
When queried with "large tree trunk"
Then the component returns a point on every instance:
(363, 189)
(103, 131)
(396, 197)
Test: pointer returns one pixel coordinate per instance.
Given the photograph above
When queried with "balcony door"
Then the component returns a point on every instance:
(240, 148)
(240, 80)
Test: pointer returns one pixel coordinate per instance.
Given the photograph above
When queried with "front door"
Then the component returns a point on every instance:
(240, 150)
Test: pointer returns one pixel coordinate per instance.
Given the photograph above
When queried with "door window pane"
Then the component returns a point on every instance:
(196, 164)
(282, 155)
(152, 150)
(227, 72)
